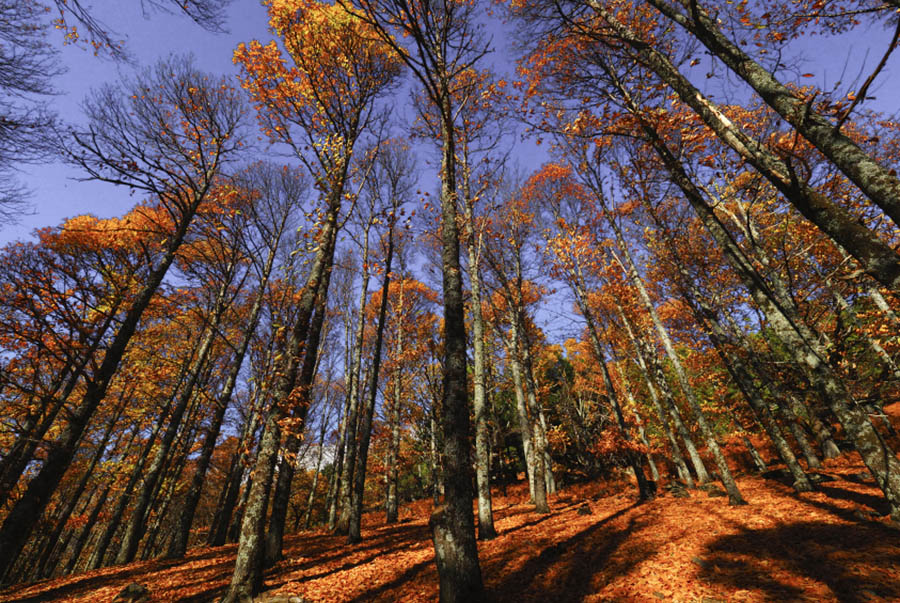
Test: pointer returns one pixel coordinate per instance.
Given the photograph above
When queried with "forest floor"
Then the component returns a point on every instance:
(597, 544)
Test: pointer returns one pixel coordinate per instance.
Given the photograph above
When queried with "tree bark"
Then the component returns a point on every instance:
(680, 466)
(247, 578)
(392, 474)
(135, 528)
(486, 530)
(875, 451)
(354, 396)
(875, 256)
(453, 524)
(365, 426)
(303, 388)
(877, 182)
(25, 514)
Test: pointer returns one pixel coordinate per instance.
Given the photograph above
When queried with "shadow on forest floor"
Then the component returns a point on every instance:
(854, 562)
(598, 543)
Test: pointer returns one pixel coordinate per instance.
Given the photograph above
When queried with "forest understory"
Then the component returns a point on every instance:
(598, 543)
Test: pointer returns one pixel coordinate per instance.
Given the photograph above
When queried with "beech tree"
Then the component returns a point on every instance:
(324, 103)
(444, 42)
(169, 134)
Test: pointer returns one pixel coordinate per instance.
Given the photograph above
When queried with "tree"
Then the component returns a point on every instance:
(169, 134)
(513, 230)
(594, 33)
(323, 102)
(444, 43)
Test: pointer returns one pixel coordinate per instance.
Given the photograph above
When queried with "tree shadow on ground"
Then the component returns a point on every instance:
(579, 565)
(407, 576)
(92, 581)
(334, 547)
(856, 562)
(877, 503)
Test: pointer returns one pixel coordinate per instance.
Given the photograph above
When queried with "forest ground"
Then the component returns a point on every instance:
(597, 544)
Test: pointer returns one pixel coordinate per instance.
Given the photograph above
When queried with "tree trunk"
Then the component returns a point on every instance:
(25, 514)
(48, 560)
(521, 365)
(453, 524)
(354, 396)
(680, 466)
(707, 317)
(576, 281)
(135, 528)
(486, 530)
(84, 534)
(437, 474)
(392, 476)
(734, 495)
(247, 578)
(307, 515)
(365, 426)
(875, 256)
(115, 519)
(806, 351)
(878, 183)
(525, 430)
(282, 493)
(179, 543)
(228, 499)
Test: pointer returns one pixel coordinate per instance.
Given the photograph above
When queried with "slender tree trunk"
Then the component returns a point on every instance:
(806, 351)
(680, 466)
(48, 560)
(875, 256)
(391, 467)
(734, 495)
(576, 282)
(354, 396)
(135, 528)
(437, 479)
(791, 404)
(531, 425)
(882, 305)
(524, 424)
(84, 534)
(27, 511)
(282, 493)
(365, 426)
(228, 499)
(179, 543)
(644, 490)
(486, 530)
(248, 572)
(115, 519)
(642, 434)
(812, 460)
(334, 481)
(707, 317)
(307, 515)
